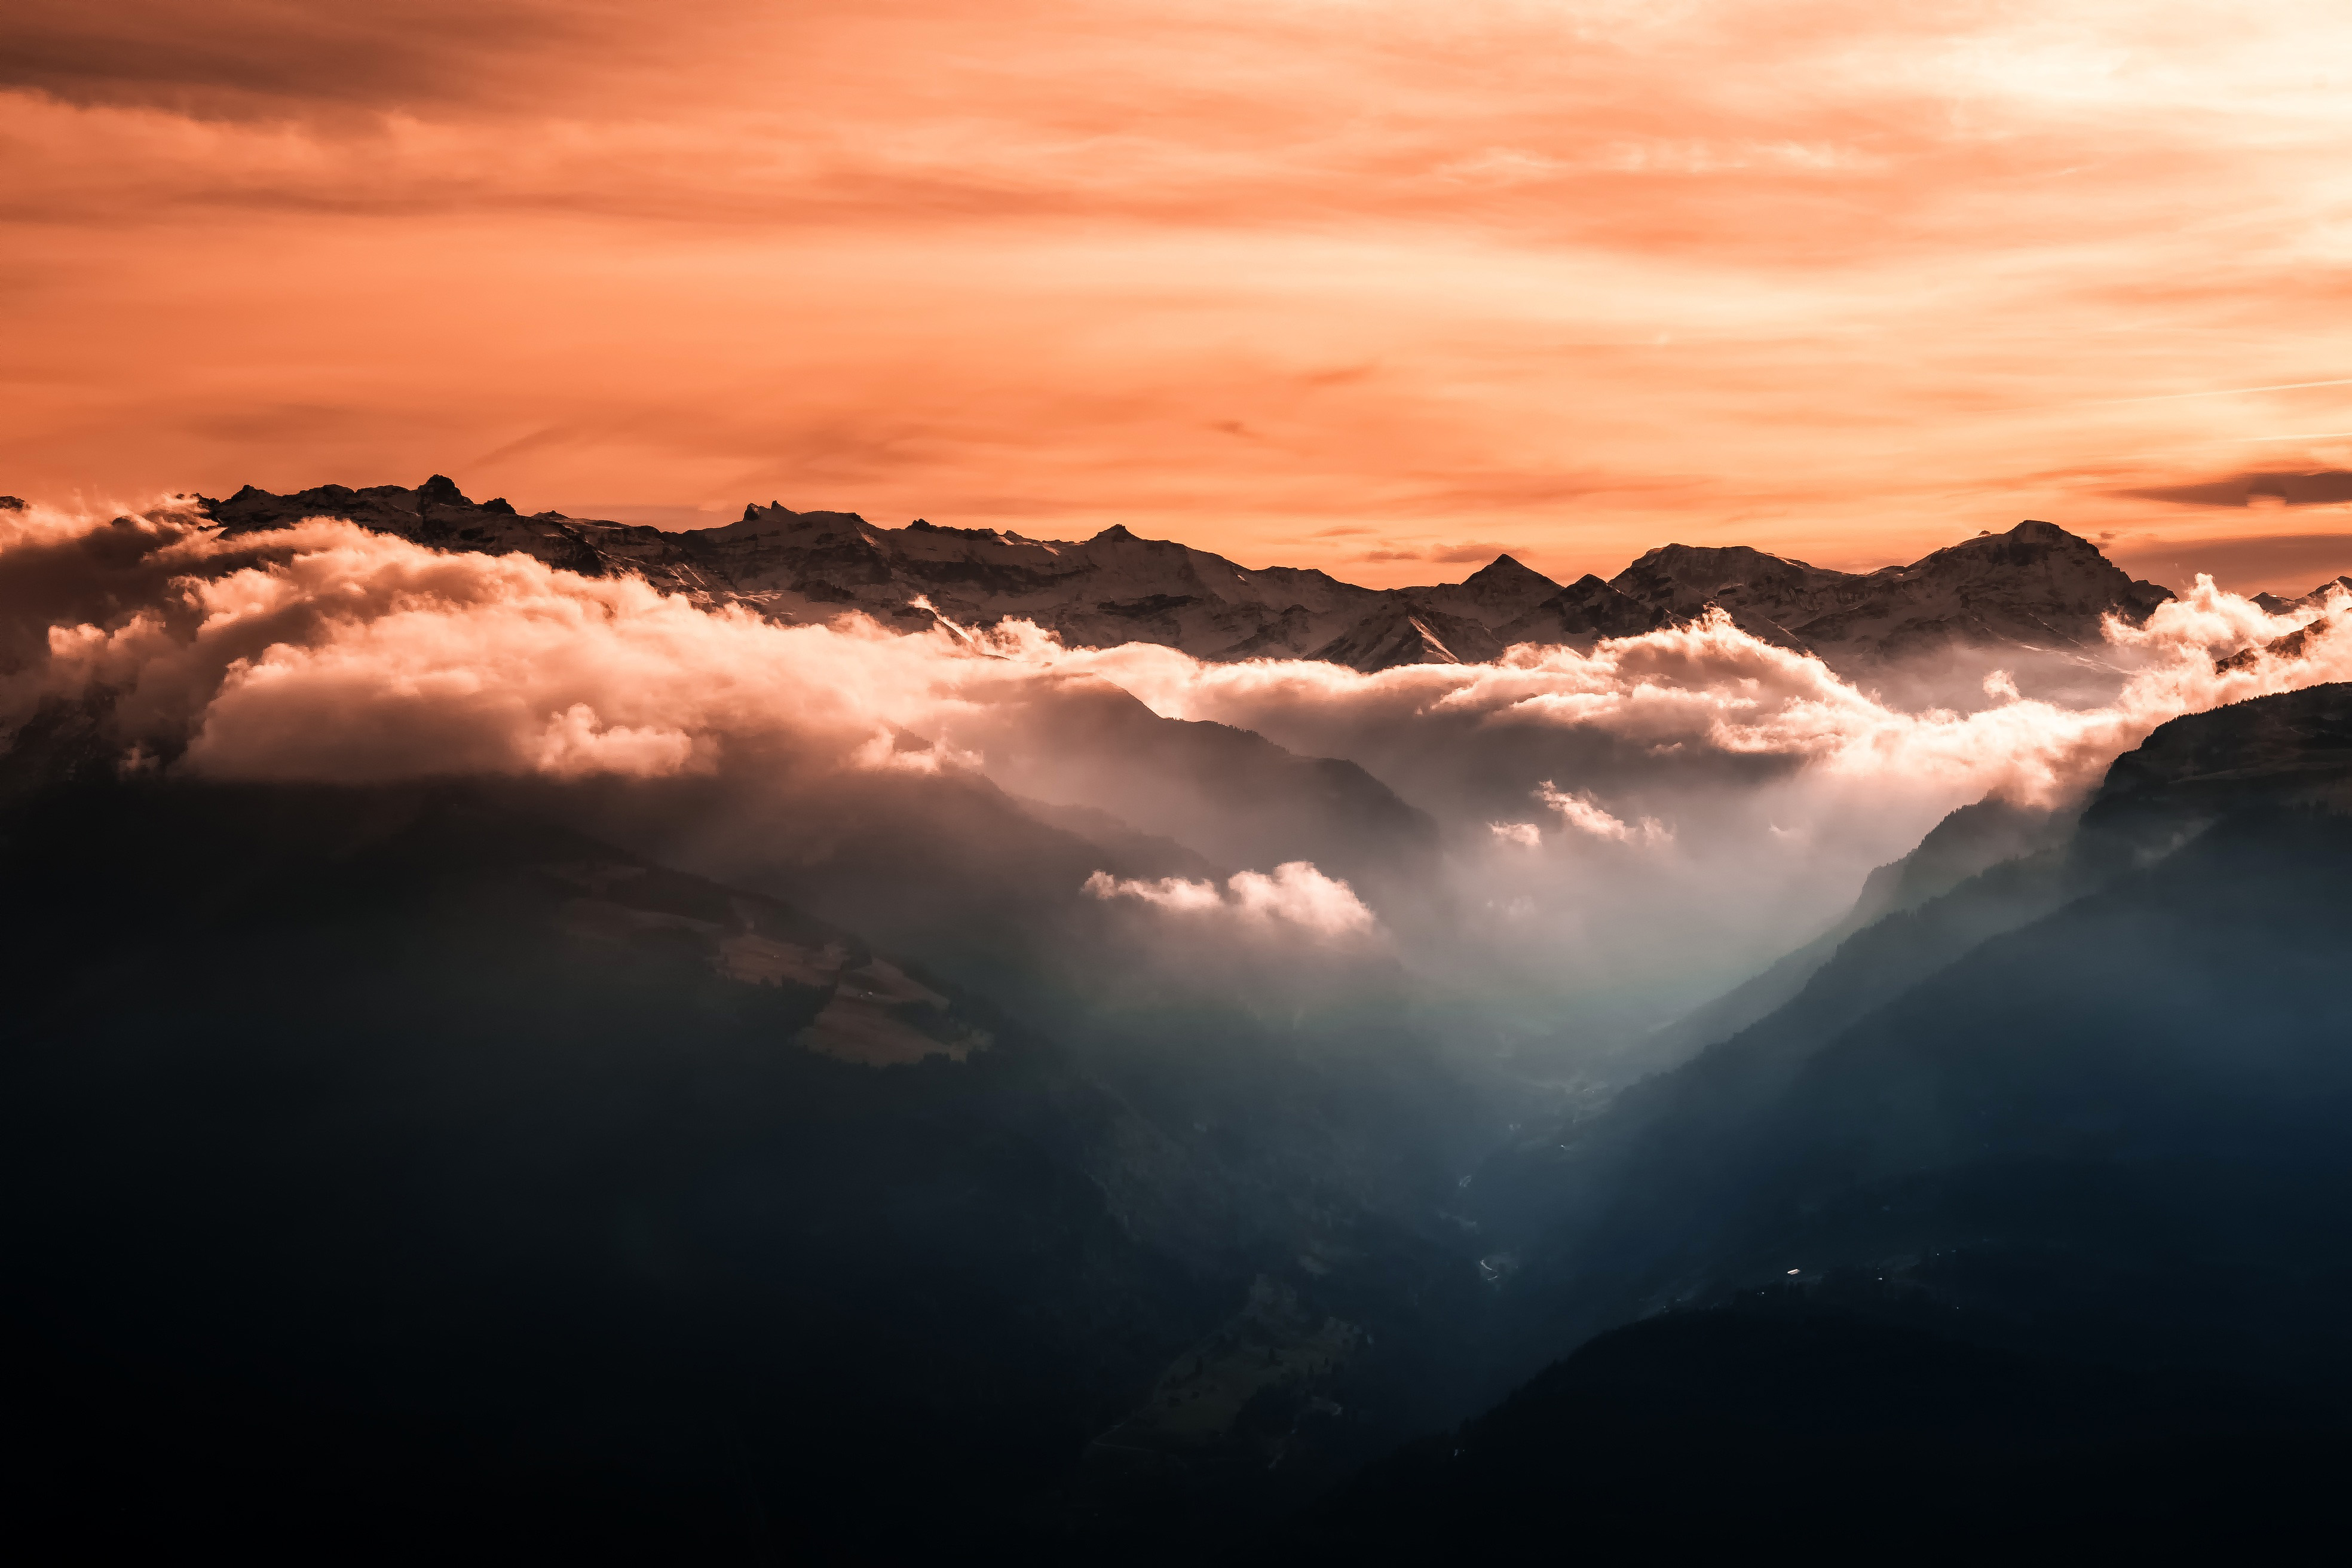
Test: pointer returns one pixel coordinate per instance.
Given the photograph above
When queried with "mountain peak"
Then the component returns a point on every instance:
(1733, 556)
(1507, 572)
(441, 490)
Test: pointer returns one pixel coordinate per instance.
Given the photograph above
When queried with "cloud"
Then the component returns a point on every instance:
(1447, 554)
(1705, 696)
(1581, 812)
(2289, 564)
(1295, 894)
(326, 652)
(1758, 787)
(2329, 487)
(1692, 745)
(1176, 893)
(246, 58)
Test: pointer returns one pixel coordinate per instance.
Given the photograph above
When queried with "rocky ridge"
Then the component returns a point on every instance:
(2315, 600)
(2037, 584)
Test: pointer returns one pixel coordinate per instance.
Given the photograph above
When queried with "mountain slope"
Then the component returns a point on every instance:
(1584, 613)
(2107, 1062)
(2039, 1228)
(510, 1186)
(1699, 1435)
(450, 1165)
(1964, 844)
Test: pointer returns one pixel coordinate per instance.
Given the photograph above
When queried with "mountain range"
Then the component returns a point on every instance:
(745, 1168)
(2035, 584)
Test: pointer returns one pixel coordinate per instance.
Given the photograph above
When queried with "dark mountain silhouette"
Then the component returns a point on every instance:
(390, 1165)
(1971, 840)
(1791, 1422)
(2034, 1194)
(2186, 919)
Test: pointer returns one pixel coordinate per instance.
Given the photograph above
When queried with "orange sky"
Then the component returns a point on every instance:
(1381, 287)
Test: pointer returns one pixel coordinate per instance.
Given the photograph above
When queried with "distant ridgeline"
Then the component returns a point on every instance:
(2035, 584)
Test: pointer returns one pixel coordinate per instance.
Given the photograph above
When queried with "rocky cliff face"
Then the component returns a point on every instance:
(2315, 600)
(2036, 584)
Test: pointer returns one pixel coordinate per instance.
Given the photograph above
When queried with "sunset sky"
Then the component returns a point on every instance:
(1381, 288)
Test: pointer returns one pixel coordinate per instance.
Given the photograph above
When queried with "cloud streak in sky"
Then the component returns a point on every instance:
(2329, 486)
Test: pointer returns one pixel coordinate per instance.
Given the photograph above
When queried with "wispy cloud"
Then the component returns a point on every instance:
(1445, 555)
(2329, 487)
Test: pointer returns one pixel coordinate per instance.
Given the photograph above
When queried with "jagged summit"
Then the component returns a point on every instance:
(1582, 614)
(1506, 573)
(2036, 584)
(2316, 599)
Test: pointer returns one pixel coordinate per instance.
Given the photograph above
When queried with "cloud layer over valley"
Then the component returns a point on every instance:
(1565, 845)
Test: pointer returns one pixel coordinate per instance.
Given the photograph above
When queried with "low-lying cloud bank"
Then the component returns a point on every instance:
(1625, 829)
(1295, 894)
(1641, 826)
(1709, 689)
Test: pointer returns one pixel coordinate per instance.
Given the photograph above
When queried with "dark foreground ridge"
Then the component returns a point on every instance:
(401, 1167)
(2022, 1227)
(2036, 584)
(1785, 1425)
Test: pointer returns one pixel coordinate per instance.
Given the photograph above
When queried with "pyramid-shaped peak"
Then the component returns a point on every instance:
(442, 490)
(2032, 539)
(1506, 571)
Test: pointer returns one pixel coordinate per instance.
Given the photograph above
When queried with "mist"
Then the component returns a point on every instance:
(1544, 859)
